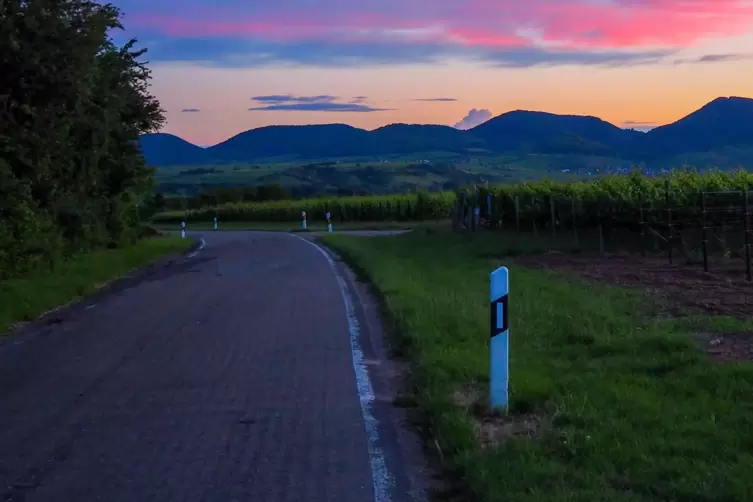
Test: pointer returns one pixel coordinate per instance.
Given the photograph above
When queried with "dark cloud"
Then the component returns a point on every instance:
(715, 58)
(190, 110)
(436, 99)
(475, 117)
(321, 103)
(289, 98)
(235, 52)
(321, 107)
(638, 123)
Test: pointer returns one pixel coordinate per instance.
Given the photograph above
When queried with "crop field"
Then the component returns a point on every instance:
(394, 174)
(409, 207)
(689, 218)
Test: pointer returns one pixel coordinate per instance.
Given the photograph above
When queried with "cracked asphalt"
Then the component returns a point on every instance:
(224, 376)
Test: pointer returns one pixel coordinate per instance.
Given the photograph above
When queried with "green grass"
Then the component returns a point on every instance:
(25, 298)
(631, 411)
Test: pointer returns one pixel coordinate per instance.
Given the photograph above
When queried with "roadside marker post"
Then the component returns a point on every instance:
(215, 223)
(329, 221)
(304, 225)
(183, 229)
(500, 339)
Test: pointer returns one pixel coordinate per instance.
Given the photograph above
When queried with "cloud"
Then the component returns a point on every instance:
(443, 100)
(716, 58)
(638, 125)
(475, 117)
(345, 33)
(190, 110)
(242, 53)
(289, 98)
(322, 103)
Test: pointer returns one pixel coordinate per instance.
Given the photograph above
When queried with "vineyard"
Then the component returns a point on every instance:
(410, 207)
(688, 216)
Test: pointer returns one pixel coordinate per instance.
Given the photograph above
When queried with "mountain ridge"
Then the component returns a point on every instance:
(720, 123)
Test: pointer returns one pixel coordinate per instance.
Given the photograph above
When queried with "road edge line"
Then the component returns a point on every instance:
(381, 477)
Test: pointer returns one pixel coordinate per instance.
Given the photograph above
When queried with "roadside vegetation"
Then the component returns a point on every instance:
(26, 297)
(611, 399)
(73, 105)
(73, 183)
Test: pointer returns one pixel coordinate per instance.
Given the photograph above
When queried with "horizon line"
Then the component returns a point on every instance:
(627, 122)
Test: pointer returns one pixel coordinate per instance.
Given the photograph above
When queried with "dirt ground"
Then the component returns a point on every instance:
(687, 288)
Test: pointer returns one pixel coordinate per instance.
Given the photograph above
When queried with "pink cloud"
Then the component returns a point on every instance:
(580, 24)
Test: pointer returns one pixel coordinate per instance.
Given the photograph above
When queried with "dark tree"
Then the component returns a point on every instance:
(72, 107)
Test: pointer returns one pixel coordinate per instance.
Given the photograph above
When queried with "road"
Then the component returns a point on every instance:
(251, 370)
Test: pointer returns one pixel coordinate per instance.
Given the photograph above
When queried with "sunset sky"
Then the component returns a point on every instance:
(224, 66)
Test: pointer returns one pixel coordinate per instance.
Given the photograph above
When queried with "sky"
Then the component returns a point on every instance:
(221, 67)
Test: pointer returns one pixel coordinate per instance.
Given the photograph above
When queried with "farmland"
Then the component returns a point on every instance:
(433, 171)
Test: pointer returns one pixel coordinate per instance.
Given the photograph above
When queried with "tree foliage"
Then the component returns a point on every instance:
(72, 107)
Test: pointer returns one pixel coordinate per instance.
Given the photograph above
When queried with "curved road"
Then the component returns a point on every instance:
(250, 370)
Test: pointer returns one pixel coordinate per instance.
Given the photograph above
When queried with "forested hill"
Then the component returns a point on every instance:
(72, 108)
(722, 123)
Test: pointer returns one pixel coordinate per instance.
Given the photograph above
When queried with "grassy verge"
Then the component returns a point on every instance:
(608, 402)
(312, 226)
(25, 298)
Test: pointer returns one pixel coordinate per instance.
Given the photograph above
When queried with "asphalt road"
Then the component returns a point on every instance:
(250, 370)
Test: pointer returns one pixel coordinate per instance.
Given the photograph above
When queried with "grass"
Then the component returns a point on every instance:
(629, 409)
(25, 298)
(312, 226)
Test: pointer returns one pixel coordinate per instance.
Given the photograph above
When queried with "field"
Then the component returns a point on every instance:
(390, 208)
(690, 218)
(433, 171)
(618, 392)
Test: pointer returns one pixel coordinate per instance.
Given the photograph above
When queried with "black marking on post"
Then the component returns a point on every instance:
(495, 319)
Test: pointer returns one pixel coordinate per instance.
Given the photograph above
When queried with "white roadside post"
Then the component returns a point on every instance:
(500, 340)
(183, 229)
(215, 223)
(304, 225)
(329, 221)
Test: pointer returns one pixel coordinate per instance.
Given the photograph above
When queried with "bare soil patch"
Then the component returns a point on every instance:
(688, 289)
(686, 286)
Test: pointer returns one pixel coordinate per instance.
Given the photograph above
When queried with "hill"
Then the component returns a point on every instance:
(543, 132)
(161, 149)
(720, 124)
(724, 122)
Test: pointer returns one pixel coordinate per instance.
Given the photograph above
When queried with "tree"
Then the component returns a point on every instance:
(72, 107)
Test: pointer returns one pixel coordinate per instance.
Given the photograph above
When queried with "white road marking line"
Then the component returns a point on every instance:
(201, 246)
(381, 477)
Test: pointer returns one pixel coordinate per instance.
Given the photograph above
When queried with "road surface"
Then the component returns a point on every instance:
(250, 370)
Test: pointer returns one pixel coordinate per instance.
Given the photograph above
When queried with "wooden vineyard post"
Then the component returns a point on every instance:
(669, 220)
(552, 216)
(643, 230)
(517, 214)
(574, 220)
(468, 213)
(489, 218)
(601, 233)
(746, 222)
(705, 237)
